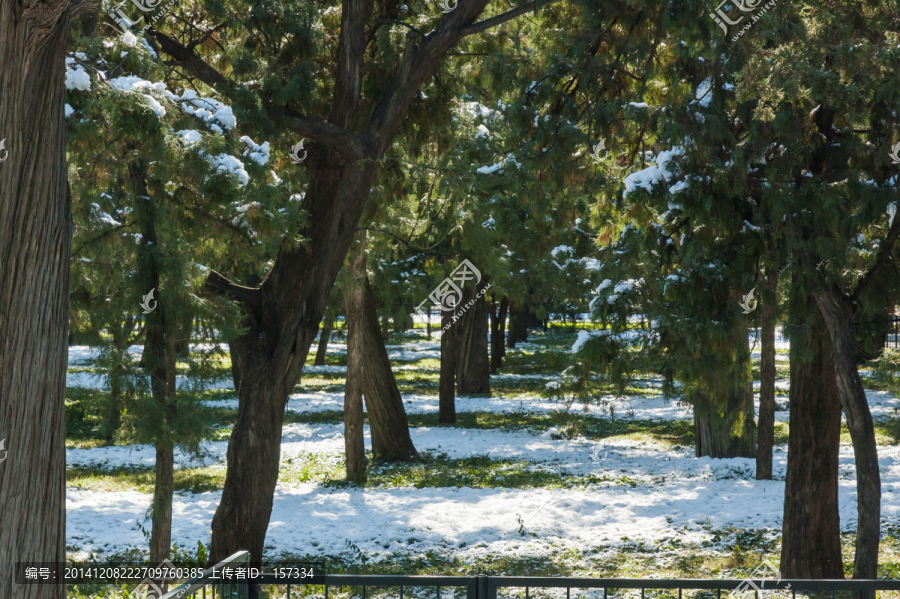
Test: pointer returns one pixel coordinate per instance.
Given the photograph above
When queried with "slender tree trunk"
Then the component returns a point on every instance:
(447, 391)
(504, 311)
(35, 244)
(838, 314)
(158, 361)
(384, 405)
(498, 318)
(766, 424)
(811, 542)
(473, 373)
(428, 323)
(354, 444)
(112, 414)
(324, 336)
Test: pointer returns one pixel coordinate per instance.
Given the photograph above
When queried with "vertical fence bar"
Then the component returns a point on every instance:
(401, 591)
(526, 592)
(289, 591)
(567, 592)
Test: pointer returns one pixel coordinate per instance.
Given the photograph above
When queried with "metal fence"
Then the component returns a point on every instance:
(491, 587)
(209, 585)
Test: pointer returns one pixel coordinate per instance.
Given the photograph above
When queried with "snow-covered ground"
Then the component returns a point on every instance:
(624, 489)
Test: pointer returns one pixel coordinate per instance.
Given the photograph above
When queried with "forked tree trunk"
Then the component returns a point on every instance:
(354, 443)
(729, 431)
(838, 314)
(384, 405)
(498, 322)
(35, 243)
(447, 389)
(766, 425)
(283, 313)
(811, 542)
(324, 336)
(473, 371)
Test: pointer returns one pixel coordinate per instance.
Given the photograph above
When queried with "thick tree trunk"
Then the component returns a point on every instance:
(324, 336)
(384, 405)
(518, 324)
(838, 314)
(713, 433)
(35, 243)
(727, 431)
(766, 424)
(498, 322)
(811, 543)
(447, 389)
(354, 443)
(473, 371)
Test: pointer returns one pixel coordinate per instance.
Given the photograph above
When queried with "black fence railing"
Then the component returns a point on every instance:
(492, 587)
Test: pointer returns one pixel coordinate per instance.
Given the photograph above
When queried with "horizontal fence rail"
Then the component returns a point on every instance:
(488, 587)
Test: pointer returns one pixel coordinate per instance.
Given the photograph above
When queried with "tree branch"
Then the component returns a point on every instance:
(248, 296)
(341, 140)
(884, 257)
(500, 19)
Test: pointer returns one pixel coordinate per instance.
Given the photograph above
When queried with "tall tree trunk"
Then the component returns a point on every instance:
(766, 425)
(518, 324)
(428, 322)
(811, 542)
(838, 313)
(473, 371)
(324, 336)
(35, 244)
(282, 315)
(384, 405)
(354, 443)
(498, 321)
(158, 360)
(447, 390)
(715, 425)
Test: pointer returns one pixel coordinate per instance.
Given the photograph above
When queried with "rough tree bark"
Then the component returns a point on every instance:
(498, 325)
(837, 311)
(447, 388)
(811, 542)
(354, 444)
(283, 313)
(473, 373)
(35, 242)
(766, 425)
(384, 405)
(324, 335)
